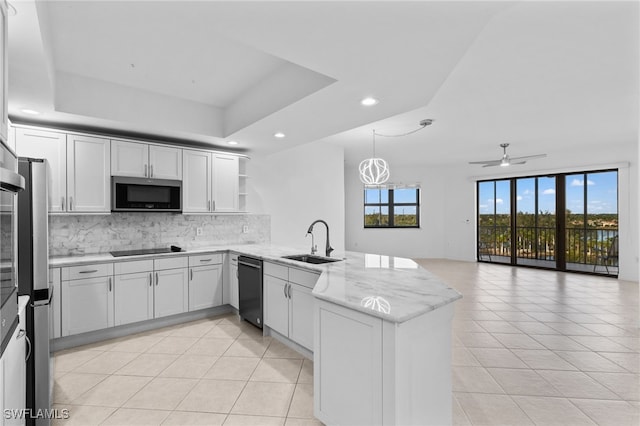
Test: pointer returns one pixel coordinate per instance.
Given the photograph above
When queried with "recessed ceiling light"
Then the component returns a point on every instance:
(30, 111)
(232, 143)
(279, 135)
(369, 101)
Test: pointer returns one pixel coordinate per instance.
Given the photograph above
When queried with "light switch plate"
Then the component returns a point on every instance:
(198, 231)
(245, 229)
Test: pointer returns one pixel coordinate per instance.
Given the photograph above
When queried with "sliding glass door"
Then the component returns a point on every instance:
(562, 221)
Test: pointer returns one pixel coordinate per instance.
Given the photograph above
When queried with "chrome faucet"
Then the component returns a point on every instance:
(328, 248)
(314, 248)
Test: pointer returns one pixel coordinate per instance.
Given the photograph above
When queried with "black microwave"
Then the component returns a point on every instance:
(143, 195)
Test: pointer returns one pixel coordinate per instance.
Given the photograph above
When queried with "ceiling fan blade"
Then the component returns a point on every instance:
(493, 162)
(528, 157)
(519, 162)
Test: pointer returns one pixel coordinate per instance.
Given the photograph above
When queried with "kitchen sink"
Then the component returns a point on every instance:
(310, 258)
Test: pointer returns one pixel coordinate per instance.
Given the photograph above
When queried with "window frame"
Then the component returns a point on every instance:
(391, 206)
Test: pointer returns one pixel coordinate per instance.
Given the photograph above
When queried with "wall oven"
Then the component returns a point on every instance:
(10, 183)
(142, 195)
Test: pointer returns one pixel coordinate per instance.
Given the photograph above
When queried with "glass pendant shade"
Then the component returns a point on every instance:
(374, 171)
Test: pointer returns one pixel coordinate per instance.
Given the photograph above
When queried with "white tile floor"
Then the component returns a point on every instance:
(542, 347)
(529, 347)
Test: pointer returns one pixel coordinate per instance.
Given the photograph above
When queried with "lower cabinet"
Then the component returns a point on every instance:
(133, 297)
(233, 294)
(288, 303)
(55, 285)
(87, 303)
(205, 287)
(171, 292)
(14, 377)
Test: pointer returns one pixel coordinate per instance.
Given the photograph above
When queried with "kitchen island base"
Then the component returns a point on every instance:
(370, 371)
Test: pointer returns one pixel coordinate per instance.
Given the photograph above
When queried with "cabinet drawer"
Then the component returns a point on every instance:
(87, 271)
(171, 263)
(205, 259)
(276, 270)
(133, 267)
(305, 278)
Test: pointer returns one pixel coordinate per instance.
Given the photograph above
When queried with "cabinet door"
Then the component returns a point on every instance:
(225, 183)
(51, 146)
(129, 159)
(301, 316)
(165, 162)
(87, 305)
(205, 287)
(196, 182)
(54, 311)
(234, 295)
(15, 382)
(171, 292)
(88, 174)
(276, 305)
(133, 295)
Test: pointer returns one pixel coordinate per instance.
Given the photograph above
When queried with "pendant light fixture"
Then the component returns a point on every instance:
(374, 170)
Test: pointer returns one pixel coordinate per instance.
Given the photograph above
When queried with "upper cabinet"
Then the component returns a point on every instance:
(145, 160)
(51, 146)
(4, 82)
(88, 180)
(78, 169)
(210, 182)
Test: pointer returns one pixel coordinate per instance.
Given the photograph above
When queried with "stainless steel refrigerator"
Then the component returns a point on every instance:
(33, 280)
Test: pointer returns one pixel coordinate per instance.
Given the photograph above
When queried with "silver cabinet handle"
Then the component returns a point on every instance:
(284, 289)
(70, 203)
(208, 205)
(157, 280)
(150, 279)
(205, 260)
(289, 291)
(109, 284)
(151, 173)
(26, 358)
(191, 278)
(88, 272)
(213, 206)
(145, 170)
(62, 205)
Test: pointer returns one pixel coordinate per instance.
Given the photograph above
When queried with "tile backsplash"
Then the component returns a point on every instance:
(88, 234)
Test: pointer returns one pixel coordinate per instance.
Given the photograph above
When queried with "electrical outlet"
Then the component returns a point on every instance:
(198, 231)
(245, 229)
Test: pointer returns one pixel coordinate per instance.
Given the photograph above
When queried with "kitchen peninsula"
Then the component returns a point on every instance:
(382, 333)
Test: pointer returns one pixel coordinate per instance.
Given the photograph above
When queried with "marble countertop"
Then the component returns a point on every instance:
(392, 288)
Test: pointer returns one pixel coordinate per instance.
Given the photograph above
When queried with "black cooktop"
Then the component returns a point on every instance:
(138, 252)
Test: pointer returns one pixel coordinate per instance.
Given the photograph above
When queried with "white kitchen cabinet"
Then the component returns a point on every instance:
(233, 289)
(171, 291)
(225, 184)
(210, 182)
(301, 315)
(4, 73)
(55, 283)
(88, 174)
(15, 369)
(196, 182)
(133, 297)
(205, 287)
(87, 298)
(51, 146)
(144, 160)
(276, 304)
(288, 303)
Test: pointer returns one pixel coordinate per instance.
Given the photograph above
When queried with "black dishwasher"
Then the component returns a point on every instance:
(250, 284)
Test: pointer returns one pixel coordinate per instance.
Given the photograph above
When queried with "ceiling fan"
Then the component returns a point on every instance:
(506, 160)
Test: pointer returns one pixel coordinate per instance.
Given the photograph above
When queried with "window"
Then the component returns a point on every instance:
(391, 207)
(564, 221)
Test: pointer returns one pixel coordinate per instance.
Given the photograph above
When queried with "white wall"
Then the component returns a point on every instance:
(298, 186)
(448, 205)
(427, 241)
